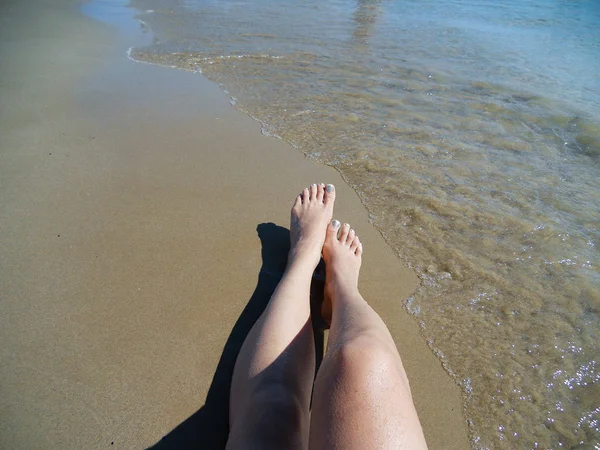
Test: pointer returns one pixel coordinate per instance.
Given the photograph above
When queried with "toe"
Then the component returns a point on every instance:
(350, 238)
(332, 229)
(305, 195)
(354, 244)
(359, 249)
(320, 192)
(329, 195)
(298, 200)
(344, 233)
(313, 191)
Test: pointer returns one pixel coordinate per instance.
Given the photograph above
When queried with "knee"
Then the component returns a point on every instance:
(366, 350)
(275, 409)
(273, 418)
(366, 359)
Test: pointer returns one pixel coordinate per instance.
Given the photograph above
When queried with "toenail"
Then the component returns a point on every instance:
(313, 185)
(347, 225)
(330, 188)
(335, 223)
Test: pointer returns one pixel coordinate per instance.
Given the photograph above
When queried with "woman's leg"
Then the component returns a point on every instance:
(273, 375)
(362, 397)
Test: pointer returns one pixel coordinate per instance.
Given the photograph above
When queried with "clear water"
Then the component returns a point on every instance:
(471, 131)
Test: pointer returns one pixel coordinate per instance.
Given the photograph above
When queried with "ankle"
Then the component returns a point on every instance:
(301, 262)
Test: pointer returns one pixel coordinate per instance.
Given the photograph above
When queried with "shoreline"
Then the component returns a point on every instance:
(130, 212)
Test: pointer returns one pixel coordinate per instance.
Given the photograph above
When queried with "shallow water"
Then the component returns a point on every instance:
(471, 132)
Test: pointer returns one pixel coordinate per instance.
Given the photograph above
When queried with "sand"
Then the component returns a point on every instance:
(143, 224)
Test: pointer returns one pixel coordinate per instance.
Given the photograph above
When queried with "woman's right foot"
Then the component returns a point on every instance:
(343, 258)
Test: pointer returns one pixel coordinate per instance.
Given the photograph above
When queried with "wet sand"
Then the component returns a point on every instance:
(137, 210)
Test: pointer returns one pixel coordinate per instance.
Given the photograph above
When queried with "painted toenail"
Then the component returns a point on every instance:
(347, 225)
(335, 223)
(330, 188)
(313, 185)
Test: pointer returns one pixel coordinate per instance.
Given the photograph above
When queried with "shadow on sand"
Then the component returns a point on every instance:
(208, 427)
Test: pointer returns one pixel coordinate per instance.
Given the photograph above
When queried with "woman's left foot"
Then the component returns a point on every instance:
(311, 213)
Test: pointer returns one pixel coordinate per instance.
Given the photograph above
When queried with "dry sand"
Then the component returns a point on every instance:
(137, 209)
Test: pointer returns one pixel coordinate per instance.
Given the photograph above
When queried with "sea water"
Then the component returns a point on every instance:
(471, 132)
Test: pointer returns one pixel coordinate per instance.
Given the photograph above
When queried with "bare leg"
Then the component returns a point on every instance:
(362, 397)
(273, 374)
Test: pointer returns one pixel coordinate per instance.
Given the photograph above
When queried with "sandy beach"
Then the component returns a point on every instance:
(144, 224)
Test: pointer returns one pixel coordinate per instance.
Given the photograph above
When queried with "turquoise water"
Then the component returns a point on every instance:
(471, 132)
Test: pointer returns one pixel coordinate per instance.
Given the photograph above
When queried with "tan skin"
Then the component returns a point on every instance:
(362, 397)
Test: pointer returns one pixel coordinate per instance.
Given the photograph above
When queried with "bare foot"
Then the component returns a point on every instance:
(343, 257)
(311, 213)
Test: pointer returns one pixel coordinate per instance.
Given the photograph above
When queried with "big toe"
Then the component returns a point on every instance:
(329, 195)
(332, 230)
